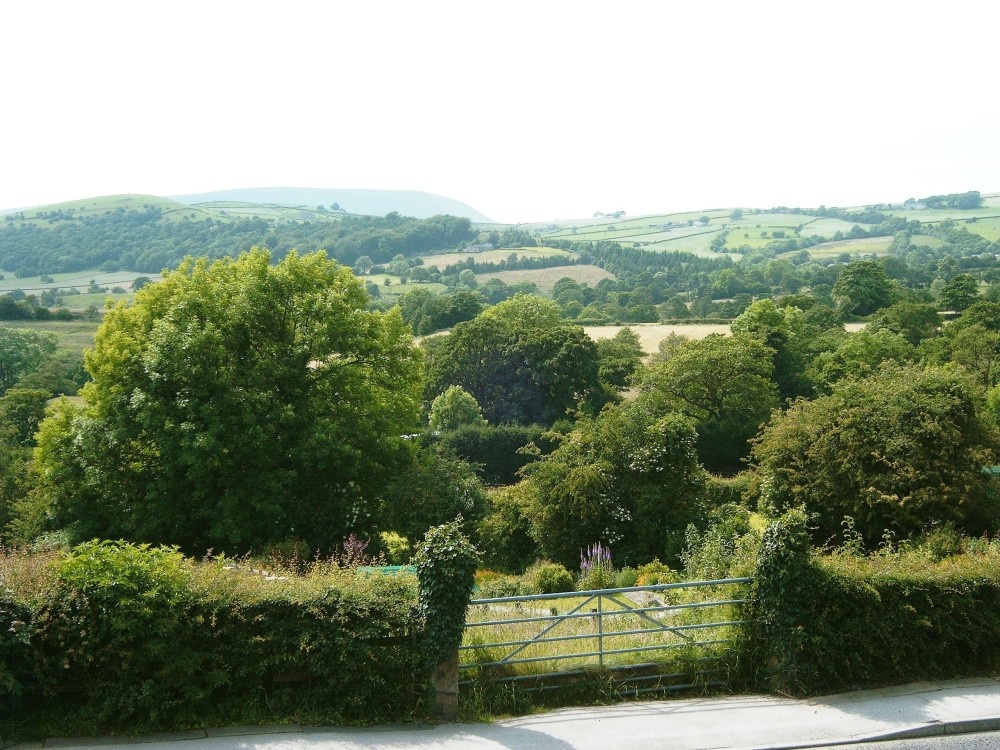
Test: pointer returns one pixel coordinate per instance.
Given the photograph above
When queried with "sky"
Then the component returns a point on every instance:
(527, 111)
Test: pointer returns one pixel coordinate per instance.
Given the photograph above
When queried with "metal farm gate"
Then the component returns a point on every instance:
(645, 639)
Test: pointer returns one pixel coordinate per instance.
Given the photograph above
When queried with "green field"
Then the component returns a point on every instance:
(546, 278)
(824, 227)
(172, 210)
(443, 260)
(75, 335)
(863, 246)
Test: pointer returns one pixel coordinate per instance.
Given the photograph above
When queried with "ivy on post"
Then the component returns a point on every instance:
(446, 570)
(779, 605)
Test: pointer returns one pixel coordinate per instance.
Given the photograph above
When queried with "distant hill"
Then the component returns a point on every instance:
(370, 202)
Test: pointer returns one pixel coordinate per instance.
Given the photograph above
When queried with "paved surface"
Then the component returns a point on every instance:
(758, 722)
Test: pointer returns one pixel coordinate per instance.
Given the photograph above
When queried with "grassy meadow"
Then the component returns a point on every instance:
(546, 278)
(75, 335)
(443, 260)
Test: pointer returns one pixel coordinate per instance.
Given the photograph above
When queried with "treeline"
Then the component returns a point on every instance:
(147, 241)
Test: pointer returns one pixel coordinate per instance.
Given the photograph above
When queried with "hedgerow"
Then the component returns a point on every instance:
(131, 638)
(824, 623)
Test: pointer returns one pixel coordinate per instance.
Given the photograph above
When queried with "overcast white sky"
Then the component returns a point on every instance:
(525, 110)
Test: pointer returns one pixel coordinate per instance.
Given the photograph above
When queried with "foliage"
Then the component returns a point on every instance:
(859, 355)
(724, 384)
(734, 490)
(22, 351)
(822, 624)
(960, 293)
(726, 548)
(500, 452)
(620, 357)
(446, 568)
(395, 546)
(549, 578)
(430, 488)
(234, 404)
(147, 241)
(116, 599)
(655, 573)
(505, 532)
(898, 450)
(519, 361)
(628, 478)
(794, 339)
(133, 638)
(915, 321)
(455, 408)
(22, 410)
(862, 288)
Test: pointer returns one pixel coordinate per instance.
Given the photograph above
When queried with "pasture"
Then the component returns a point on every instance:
(546, 278)
(443, 260)
(862, 246)
(988, 229)
(651, 334)
(75, 335)
(824, 227)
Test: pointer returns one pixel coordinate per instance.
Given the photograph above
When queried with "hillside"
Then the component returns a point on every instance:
(414, 203)
(824, 232)
(147, 234)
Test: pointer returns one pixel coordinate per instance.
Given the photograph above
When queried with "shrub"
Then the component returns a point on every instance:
(446, 569)
(655, 573)
(122, 637)
(505, 532)
(497, 449)
(728, 547)
(549, 578)
(498, 585)
(396, 547)
(118, 633)
(834, 622)
(735, 490)
(626, 578)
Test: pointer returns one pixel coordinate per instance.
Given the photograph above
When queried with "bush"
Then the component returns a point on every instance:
(655, 573)
(835, 622)
(505, 532)
(626, 578)
(497, 450)
(119, 634)
(114, 637)
(735, 490)
(492, 585)
(549, 578)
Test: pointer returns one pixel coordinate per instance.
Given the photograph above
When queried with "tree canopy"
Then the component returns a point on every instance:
(520, 362)
(899, 450)
(725, 385)
(234, 404)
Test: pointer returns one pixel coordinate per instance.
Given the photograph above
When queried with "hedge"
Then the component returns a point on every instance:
(131, 638)
(827, 623)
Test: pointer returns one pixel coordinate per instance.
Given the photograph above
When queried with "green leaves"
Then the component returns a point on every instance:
(898, 450)
(446, 568)
(234, 404)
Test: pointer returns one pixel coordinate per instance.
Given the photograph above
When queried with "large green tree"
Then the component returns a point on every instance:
(724, 383)
(520, 362)
(234, 404)
(899, 450)
(863, 287)
(629, 478)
